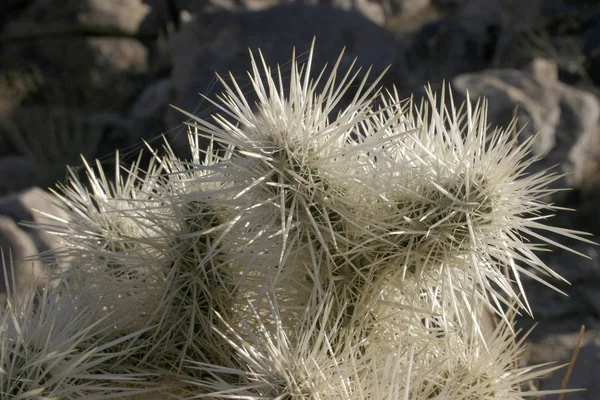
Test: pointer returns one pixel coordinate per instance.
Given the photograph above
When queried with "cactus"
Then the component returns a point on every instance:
(302, 255)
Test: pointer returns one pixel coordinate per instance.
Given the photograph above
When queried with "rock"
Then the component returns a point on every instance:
(543, 70)
(24, 243)
(410, 6)
(565, 312)
(585, 374)
(101, 72)
(575, 269)
(592, 296)
(477, 15)
(377, 11)
(555, 347)
(146, 114)
(30, 205)
(17, 174)
(517, 49)
(591, 38)
(22, 272)
(10, 7)
(444, 49)
(514, 93)
(88, 17)
(14, 87)
(450, 4)
(580, 114)
(565, 117)
(52, 137)
(221, 42)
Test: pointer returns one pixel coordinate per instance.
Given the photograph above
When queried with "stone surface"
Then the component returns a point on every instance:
(24, 243)
(565, 118)
(409, 6)
(146, 116)
(512, 92)
(477, 15)
(17, 174)
(52, 137)
(559, 349)
(221, 44)
(591, 37)
(30, 205)
(444, 49)
(90, 17)
(14, 87)
(101, 72)
(22, 272)
(377, 11)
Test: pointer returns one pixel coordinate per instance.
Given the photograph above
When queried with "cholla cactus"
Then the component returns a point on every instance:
(332, 242)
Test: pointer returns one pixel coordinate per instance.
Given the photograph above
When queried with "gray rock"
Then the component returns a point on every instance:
(585, 374)
(17, 174)
(513, 92)
(52, 137)
(90, 17)
(443, 49)
(146, 114)
(477, 15)
(221, 43)
(32, 251)
(34, 205)
(377, 11)
(591, 48)
(565, 117)
(558, 313)
(14, 87)
(407, 6)
(21, 272)
(100, 72)
(581, 114)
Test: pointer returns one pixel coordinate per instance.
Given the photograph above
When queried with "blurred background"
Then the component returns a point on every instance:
(93, 76)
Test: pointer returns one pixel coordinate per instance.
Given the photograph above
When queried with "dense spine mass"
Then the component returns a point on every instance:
(332, 242)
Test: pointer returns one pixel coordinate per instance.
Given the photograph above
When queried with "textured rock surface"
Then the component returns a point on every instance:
(116, 17)
(100, 71)
(377, 11)
(147, 112)
(564, 118)
(558, 348)
(223, 39)
(24, 244)
(17, 174)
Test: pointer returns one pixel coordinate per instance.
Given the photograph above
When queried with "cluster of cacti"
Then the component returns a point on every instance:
(331, 242)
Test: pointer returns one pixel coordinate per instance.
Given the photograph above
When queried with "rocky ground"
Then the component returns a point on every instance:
(92, 76)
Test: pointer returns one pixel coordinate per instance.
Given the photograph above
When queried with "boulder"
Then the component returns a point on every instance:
(52, 137)
(220, 42)
(559, 349)
(17, 174)
(42, 18)
(565, 118)
(34, 205)
(20, 271)
(32, 252)
(377, 11)
(443, 49)
(101, 72)
(591, 38)
(146, 113)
